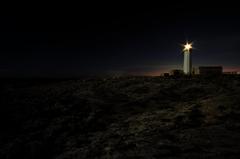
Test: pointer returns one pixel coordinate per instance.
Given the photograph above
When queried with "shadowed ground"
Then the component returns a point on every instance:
(124, 117)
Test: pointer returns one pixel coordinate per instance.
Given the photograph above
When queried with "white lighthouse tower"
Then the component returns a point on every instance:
(187, 63)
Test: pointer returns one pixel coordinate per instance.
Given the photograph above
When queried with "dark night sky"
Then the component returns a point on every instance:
(73, 40)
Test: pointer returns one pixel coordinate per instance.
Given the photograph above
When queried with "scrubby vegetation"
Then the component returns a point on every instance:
(122, 117)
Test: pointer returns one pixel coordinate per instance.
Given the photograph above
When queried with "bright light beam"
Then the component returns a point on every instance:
(187, 47)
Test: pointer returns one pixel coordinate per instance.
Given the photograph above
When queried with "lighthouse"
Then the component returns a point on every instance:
(187, 63)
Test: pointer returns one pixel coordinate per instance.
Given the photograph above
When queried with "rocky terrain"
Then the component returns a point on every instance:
(121, 118)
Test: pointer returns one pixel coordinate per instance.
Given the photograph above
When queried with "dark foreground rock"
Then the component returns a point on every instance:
(125, 117)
